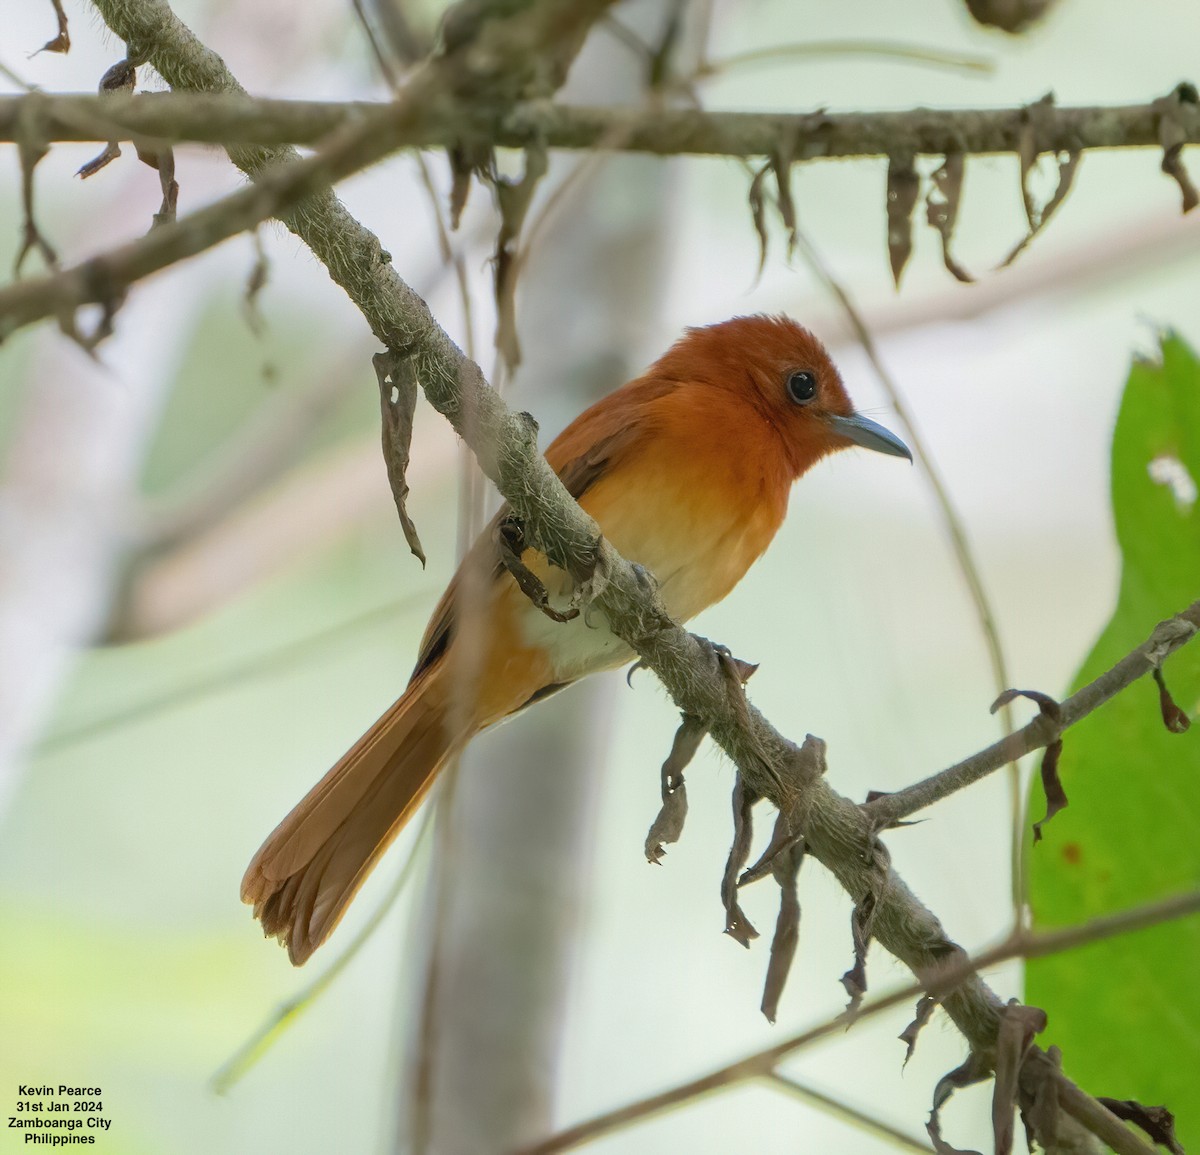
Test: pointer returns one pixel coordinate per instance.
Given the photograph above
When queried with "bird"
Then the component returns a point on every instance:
(687, 470)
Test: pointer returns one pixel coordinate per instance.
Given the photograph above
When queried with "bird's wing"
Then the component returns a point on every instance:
(595, 442)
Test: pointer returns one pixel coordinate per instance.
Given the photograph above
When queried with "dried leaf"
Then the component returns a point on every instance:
(465, 162)
(758, 212)
(903, 188)
(941, 208)
(926, 1005)
(668, 826)
(514, 199)
(974, 1070)
(397, 404)
(855, 979)
(255, 283)
(737, 925)
(785, 866)
(1066, 177)
(1052, 787)
(1157, 1122)
(61, 42)
(1173, 717)
(781, 162)
(1056, 796)
(1008, 15)
(1046, 704)
(1018, 1025)
(121, 77)
(510, 541)
(783, 838)
(31, 152)
(1040, 1114)
(162, 159)
(1172, 135)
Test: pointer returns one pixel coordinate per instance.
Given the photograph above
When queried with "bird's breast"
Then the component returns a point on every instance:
(696, 522)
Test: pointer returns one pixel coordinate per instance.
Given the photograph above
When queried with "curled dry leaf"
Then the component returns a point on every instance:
(397, 403)
(974, 1070)
(737, 925)
(1157, 1122)
(781, 163)
(256, 281)
(941, 208)
(1173, 136)
(855, 979)
(783, 838)
(1173, 717)
(668, 826)
(1008, 15)
(61, 42)
(758, 213)
(1052, 787)
(903, 188)
(1018, 1026)
(926, 1005)
(31, 151)
(1039, 1100)
(785, 866)
(1033, 121)
(121, 77)
(514, 199)
(510, 541)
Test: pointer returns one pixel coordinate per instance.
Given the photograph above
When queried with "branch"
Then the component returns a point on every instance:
(236, 119)
(939, 978)
(1168, 636)
(837, 832)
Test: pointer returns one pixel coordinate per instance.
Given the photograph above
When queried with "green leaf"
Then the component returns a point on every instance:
(1127, 1012)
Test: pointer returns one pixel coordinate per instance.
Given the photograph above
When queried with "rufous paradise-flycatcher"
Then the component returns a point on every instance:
(687, 470)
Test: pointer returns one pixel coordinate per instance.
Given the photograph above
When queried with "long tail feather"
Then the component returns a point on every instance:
(305, 874)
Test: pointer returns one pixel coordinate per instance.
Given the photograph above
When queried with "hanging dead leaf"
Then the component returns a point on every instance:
(941, 208)
(1067, 166)
(781, 163)
(398, 402)
(903, 188)
(1172, 135)
(737, 925)
(785, 866)
(61, 42)
(758, 213)
(668, 826)
(974, 1070)
(1008, 15)
(1157, 1122)
(1018, 1026)
(513, 199)
(1052, 787)
(1173, 717)
(926, 1005)
(855, 979)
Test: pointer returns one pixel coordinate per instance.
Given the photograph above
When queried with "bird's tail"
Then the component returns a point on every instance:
(305, 874)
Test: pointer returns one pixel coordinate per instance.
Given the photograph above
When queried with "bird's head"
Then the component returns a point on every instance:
(781, 369)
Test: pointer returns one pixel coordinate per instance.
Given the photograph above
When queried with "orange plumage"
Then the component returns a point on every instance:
(687, 470)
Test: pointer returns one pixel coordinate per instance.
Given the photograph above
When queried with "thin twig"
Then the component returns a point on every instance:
(1167, 637)
(238, 120)
(938, 979)
(828, 49)
(842, 1110)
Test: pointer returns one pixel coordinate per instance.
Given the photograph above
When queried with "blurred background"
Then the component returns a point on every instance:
(205, 596)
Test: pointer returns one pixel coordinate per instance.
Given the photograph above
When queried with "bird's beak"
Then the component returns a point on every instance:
(869, 434)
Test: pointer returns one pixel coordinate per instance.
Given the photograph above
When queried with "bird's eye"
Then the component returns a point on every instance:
(802, 386)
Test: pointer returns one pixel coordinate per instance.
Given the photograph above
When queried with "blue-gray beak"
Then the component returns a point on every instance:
(870, 435)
